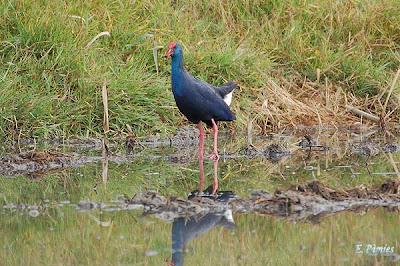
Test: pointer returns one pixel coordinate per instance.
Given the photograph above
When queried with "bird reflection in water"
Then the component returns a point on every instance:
(185, 229)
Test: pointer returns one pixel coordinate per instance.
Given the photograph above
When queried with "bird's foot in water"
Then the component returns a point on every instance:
(215, 188)
(213, 157)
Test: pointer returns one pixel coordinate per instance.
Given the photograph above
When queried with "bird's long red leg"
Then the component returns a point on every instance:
(201, 146)
(214, 156)
(215, 184)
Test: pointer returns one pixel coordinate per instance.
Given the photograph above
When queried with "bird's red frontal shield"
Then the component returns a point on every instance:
(170, 51)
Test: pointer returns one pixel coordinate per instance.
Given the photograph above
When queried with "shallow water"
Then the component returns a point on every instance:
(78, 215)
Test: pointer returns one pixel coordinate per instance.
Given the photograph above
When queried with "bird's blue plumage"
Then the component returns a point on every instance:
(196, 99)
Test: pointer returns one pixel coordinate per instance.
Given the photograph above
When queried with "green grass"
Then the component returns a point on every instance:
(50, 85)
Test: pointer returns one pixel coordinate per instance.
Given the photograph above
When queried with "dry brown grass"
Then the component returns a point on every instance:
(295, 101)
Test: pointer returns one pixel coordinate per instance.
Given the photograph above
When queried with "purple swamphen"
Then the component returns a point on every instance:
(200, 101)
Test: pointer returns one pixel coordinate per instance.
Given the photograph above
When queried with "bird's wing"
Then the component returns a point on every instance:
(225, 91)
(202, 86)
(222, 91)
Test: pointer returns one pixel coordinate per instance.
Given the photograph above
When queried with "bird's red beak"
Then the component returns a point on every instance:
(170, 52)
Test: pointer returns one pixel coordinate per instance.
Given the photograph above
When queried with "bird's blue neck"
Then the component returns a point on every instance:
(177, 72)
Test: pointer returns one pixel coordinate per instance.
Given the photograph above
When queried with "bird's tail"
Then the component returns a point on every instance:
(226, 88)
(226, 91)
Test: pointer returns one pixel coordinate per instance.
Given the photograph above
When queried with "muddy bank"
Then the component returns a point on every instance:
(304, 202)
(314, 200)
(36, 164)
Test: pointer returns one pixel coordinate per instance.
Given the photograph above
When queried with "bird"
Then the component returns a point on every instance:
(200, 102)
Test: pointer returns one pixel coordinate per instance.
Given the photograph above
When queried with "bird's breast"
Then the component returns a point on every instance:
(177, 84)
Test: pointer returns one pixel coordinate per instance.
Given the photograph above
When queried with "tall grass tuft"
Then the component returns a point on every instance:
(49, 82)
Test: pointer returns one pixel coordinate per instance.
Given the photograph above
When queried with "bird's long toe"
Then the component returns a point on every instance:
(213, 157)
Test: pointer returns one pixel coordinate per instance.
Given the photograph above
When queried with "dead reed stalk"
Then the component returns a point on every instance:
(362, 113)
(396, 77)
(104, 95)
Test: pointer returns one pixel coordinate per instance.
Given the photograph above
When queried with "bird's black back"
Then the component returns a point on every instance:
(200, 101)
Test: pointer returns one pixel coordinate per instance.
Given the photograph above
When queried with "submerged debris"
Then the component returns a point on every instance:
(185, 136)
(131, 143)
(37, 164)
(252, 151)
(390, 186)
(364, 148)
(312, 144)
(391, 147)
(86, 205)
(275, 152)
(308, 142)
(329, 193)
(183, 157)
(154, 141)
(83, 143)
(33, 213)
(257, 194)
